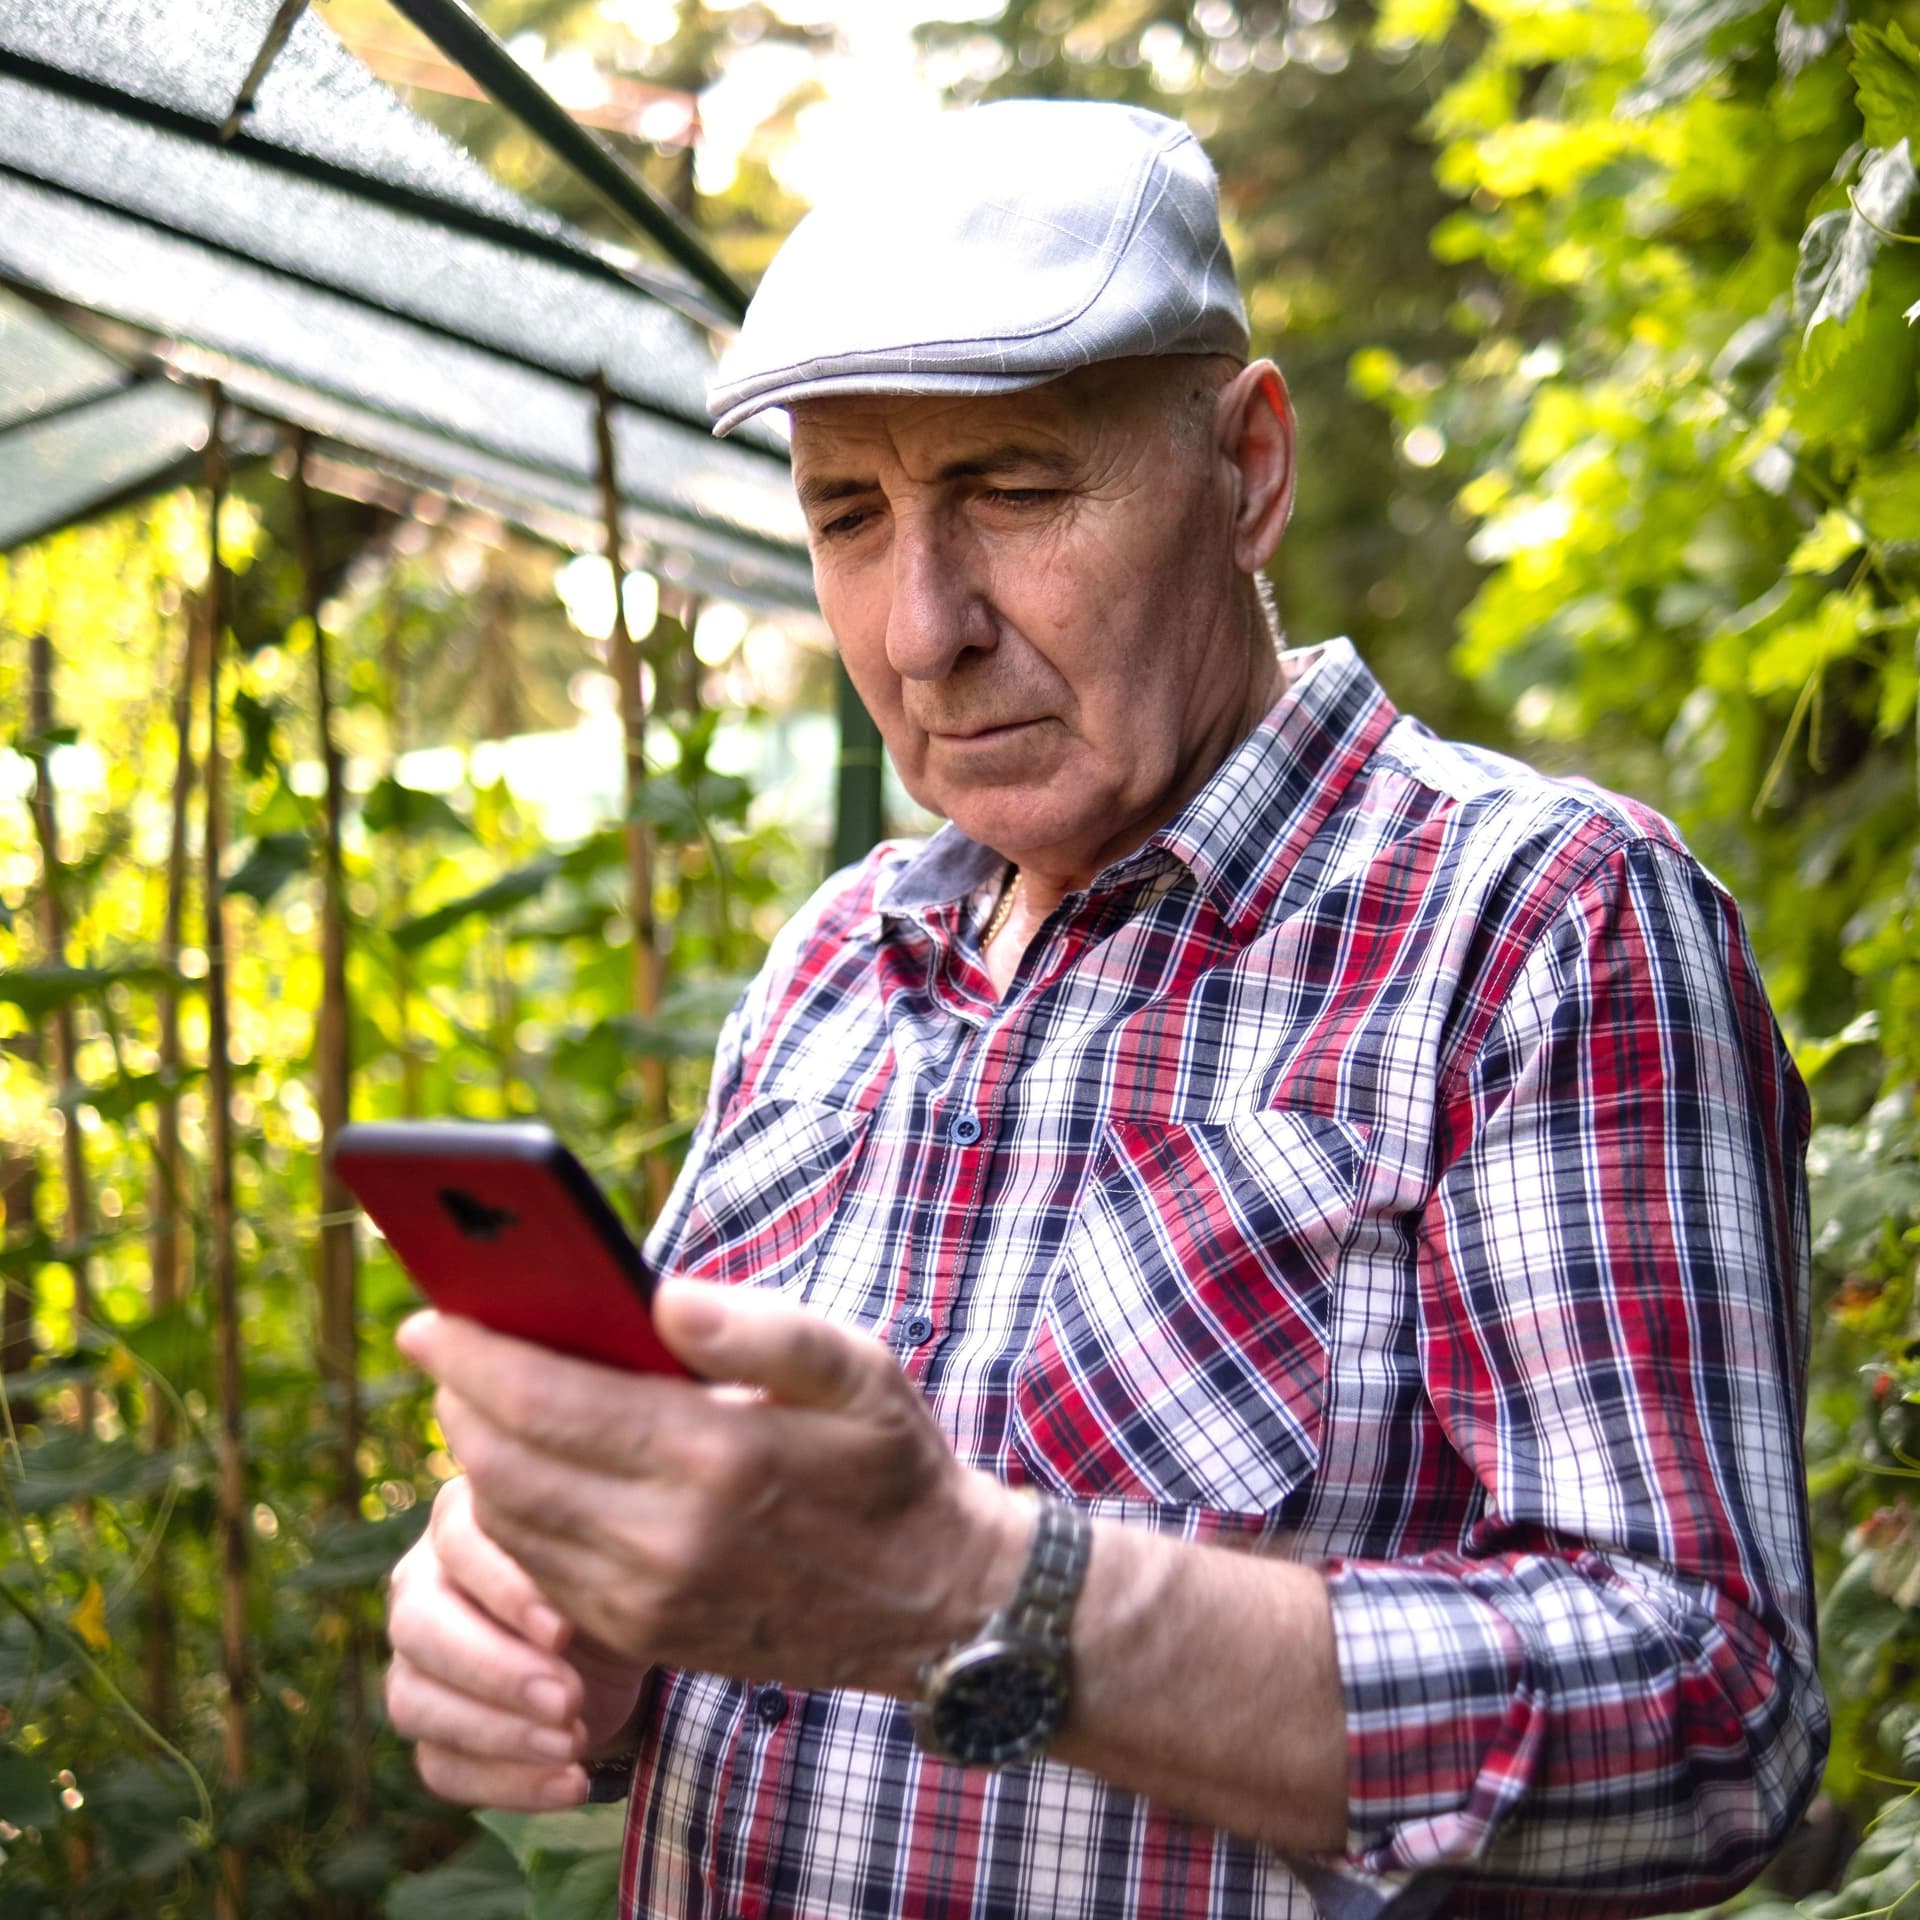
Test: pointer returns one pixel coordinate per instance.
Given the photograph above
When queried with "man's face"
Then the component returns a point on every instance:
(1037, 597)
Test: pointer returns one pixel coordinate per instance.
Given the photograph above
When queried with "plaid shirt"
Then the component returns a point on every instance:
(1393, 1160)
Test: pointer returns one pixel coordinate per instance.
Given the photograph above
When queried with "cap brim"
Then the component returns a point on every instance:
(733, 408)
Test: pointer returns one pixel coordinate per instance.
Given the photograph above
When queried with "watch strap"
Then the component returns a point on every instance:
(1050, 1583)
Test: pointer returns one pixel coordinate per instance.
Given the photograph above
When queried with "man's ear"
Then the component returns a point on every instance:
(1255, 419)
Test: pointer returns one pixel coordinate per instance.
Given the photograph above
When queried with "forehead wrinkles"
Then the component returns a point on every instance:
(926, 442)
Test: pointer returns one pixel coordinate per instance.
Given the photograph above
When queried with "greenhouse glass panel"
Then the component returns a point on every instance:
(570, 320)
(42, 365)
(113, 265)
(64, 469)
(191, 56)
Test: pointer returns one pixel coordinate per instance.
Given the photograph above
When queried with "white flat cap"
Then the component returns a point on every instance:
(1011, 245)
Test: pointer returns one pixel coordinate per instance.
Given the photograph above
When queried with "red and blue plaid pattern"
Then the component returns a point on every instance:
(1394, 1163)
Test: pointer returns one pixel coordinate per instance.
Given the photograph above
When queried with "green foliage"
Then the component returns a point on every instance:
(490, 973)
(1692, 431)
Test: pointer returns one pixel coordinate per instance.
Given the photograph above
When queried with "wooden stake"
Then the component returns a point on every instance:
(397, 876)
(63, 1050)
(167, 1209)
(339, 1354)
(657, 1174)
(230, 1899)
(19, 1181)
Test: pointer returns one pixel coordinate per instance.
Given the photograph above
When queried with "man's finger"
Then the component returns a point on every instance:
(510, 1784)
(550, 1400)
(422, 1708)
(433, 1625)
(495, 1581)
(757, 1339)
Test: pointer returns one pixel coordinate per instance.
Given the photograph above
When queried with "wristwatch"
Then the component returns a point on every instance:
(1002, 1695)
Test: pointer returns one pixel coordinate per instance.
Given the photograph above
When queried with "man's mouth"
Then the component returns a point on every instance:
(970, 735)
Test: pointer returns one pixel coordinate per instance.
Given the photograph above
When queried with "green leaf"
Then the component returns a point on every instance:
(256, 718)
(1886, 497)
(1798, 43)
(392, 808)
(497, 897)
(125, 1093)
(360, 1554)
(37, 991)
(360, 1867)
(173, 1344)
(1690, 45)
(1852, 383)
(261, 1806)
(532, 1837)
(1403, 22)
(1858, 1623)
(1838, 250)
(144, 1811)
(1830, 540)
(1784, 660)
(26, 1790)
(482, 1881)
(66, 1468)
(581, 1887)
(1886, 70)
(30, 746)
(272, 860)
(1811, 1055)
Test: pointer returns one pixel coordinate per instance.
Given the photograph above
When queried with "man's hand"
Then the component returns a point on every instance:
(803, 1520)
(500, 1694)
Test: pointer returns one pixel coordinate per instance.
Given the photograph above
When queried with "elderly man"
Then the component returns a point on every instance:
(1253, 1286)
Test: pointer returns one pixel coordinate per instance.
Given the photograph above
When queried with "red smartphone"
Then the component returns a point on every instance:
(496, 1220)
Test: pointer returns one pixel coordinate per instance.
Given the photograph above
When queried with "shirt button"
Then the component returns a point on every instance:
(963, 1129)
(916, 1329)
(771, 1706)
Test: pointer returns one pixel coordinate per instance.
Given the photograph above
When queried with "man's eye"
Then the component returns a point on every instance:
(1018, 497)
(843, 524)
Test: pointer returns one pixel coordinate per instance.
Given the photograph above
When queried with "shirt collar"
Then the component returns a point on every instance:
(1241, 833)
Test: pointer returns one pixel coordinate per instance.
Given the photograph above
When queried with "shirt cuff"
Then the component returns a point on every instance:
(1444, 1734)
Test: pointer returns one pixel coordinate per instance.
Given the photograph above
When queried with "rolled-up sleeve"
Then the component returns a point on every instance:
(1607, 1695)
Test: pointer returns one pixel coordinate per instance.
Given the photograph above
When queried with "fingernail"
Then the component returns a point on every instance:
(547, 1698)
(551, 1743)
(545, 1626)
(568, 1789)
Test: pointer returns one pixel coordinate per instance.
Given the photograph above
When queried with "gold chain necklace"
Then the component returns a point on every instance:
(1002, 911)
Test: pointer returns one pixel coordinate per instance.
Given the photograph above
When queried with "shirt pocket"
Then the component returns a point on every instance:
(771, 1183)
(1180, 1360)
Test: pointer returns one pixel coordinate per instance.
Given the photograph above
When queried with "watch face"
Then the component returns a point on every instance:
(997, 1703)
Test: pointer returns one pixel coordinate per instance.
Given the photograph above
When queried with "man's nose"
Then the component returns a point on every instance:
(937, 612)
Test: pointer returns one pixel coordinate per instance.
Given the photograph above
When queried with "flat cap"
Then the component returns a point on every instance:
(1012, 244)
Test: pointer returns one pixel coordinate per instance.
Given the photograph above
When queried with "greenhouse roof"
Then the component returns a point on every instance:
(340, 267)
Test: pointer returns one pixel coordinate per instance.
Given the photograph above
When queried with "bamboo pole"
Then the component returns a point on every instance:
(338, 1277)
(165, 1245)
(230, 1899)
(165, 1241)
(397, 875)
(64, 1059)
(19, 1183)
(656, 1174)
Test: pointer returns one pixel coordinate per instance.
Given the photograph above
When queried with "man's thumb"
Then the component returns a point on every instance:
(754, 1339)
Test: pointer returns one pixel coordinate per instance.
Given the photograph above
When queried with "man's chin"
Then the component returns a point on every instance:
(1028, 828)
